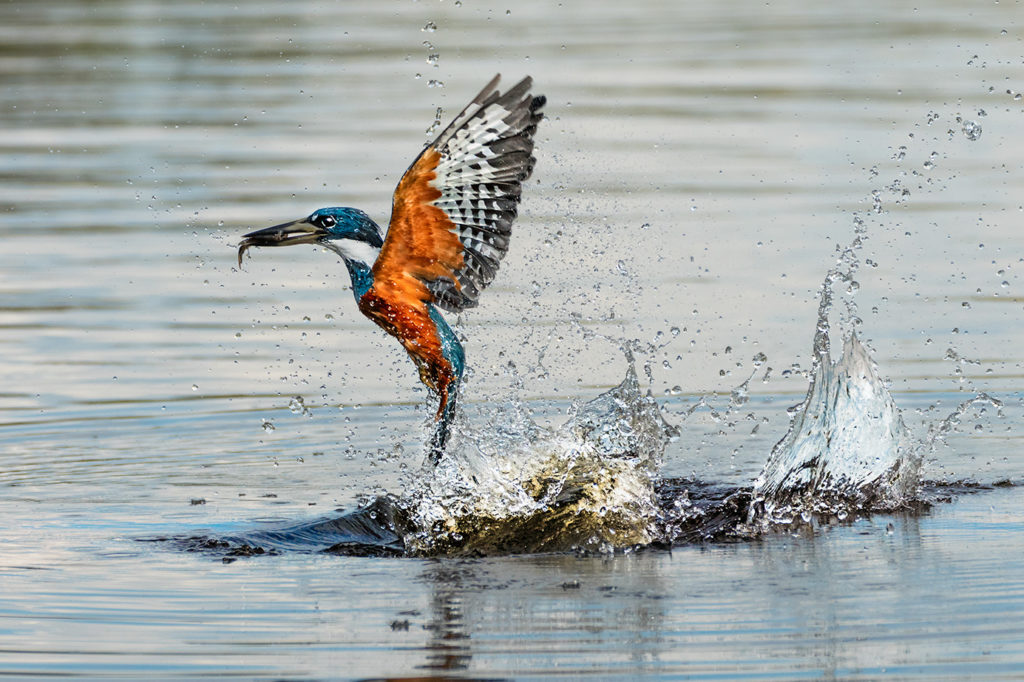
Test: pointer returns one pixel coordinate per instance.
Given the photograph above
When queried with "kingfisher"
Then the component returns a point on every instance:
(451, 219)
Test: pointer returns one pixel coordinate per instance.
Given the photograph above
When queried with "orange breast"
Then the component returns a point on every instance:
(403, 314)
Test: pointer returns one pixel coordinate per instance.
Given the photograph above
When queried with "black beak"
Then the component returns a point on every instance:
(285, 234)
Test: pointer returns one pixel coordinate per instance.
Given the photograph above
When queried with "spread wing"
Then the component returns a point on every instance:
(453, 209)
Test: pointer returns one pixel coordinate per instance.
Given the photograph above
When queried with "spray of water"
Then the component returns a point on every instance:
(515, 486)
(846, 450)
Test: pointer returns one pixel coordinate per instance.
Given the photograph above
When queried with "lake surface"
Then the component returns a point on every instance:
(701, 169)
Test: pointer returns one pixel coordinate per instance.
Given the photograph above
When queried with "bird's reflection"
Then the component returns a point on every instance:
(448, 648)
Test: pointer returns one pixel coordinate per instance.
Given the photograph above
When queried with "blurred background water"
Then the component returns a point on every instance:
(700, 166)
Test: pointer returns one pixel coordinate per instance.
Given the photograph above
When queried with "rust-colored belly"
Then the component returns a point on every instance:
(410, 323)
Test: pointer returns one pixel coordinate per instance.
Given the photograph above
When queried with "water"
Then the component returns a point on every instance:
(701, 170)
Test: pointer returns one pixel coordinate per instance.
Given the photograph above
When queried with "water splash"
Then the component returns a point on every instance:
(592, 485)
(847, 449)
(515, 486)
(939, 430)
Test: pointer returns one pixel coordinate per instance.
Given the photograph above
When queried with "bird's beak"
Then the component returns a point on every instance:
(285, 234)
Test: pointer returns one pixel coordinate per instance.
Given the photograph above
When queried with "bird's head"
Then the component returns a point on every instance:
(347, 231)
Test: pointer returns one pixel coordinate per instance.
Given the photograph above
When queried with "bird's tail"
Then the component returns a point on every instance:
(442, 427)
(446, 379)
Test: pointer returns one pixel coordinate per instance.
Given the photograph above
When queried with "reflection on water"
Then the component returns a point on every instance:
(786, 603)
(448, 648)
(700, 166)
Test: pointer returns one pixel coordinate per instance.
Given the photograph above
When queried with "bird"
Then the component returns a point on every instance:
(451, 220)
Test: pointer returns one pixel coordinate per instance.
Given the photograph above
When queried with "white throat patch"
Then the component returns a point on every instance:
(354, 250)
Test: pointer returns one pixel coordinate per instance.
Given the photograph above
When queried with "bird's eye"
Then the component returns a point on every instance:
(324, 221)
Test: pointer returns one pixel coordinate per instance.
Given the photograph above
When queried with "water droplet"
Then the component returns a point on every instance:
(298, 406)
(972, 130)
(195, 387)
(437, 121)
(429, 27)
(876, 201)
(267, 426)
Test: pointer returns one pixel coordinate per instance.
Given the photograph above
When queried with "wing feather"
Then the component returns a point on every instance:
(452, 212)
